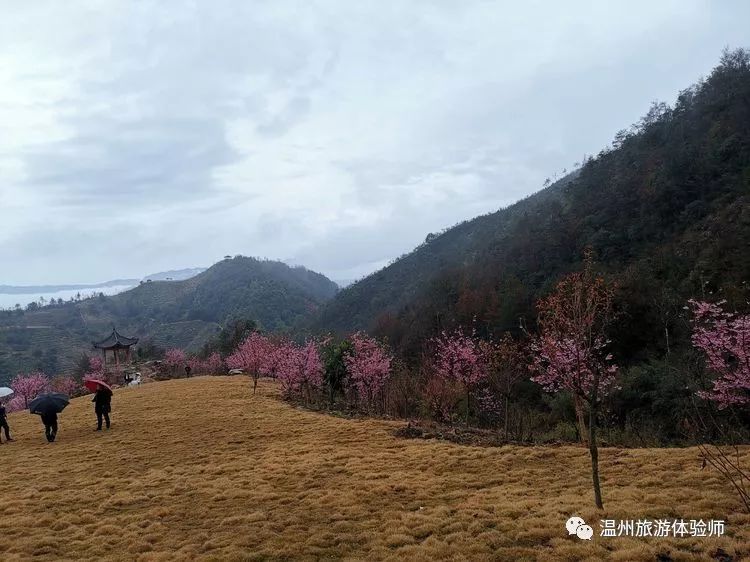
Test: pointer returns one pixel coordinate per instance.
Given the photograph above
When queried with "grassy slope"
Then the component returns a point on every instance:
(201, 469)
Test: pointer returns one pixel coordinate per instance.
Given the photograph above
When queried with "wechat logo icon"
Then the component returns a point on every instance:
(577, 526)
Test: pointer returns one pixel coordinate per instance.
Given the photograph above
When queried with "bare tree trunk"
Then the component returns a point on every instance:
(507, 400)
(578, 404)
(593, 448)
(467, 407)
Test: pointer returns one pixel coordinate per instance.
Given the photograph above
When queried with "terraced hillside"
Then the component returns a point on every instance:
(200, 469)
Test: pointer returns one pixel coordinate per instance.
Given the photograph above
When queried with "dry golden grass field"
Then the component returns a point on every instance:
(201, 469)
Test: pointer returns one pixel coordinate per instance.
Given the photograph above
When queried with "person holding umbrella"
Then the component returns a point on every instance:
(49, 419)
(47, 406)
(4, 393)
(102, 401)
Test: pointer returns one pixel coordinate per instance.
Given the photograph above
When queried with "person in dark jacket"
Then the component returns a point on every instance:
(4, 424)
(102, 406)
(50, 425)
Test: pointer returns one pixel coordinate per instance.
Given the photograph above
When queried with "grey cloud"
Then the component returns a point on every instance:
(145, 162)
(334, 133)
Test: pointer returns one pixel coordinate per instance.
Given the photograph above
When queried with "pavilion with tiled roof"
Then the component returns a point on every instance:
(116, 343)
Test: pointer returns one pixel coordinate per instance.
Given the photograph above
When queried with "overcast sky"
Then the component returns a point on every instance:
(142, 136)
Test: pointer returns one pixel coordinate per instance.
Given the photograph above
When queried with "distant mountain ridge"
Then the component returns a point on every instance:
(34, 289)
(171, 275)
(175, 274)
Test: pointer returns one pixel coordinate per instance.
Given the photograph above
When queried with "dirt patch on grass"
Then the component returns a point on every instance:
(455, 434)
(200, 469)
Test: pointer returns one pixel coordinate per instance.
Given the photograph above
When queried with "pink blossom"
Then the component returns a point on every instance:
(300, 369)
(65, 385)
(96, 371)
(250, 355)
(369, 366)
(16, 403)
(213, 364)
(258, 356)
(724, 338)
(570, 351)
(195, 364)
(175, 358)
(565, 363)
(28, 387)
(271, 362)
(96, 365)
(459, 357)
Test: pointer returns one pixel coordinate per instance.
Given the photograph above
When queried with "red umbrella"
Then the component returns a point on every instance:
(94, 384)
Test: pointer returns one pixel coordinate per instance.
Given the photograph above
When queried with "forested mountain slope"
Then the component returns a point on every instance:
(666, 210)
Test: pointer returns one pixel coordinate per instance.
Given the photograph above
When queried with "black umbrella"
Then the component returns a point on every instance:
(49, 403)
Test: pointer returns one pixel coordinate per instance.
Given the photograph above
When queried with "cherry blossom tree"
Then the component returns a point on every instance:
(196, 365)
(570, 352)
(174, 359)
(96, 364)
(271, 361)
(251, 356)
(724, 339)
(300, 370)
(96, 370)
(286, 373)
(459, 357)
(311, 365)
(29, 386)
(369, 366)
(213, 364)
(65, 385)
(16, 403)
(568, 364)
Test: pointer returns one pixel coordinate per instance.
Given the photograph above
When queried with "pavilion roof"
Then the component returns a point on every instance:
(115, 341)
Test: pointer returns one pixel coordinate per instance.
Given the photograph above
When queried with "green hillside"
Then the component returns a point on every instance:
(666, 210)
(166, 313)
